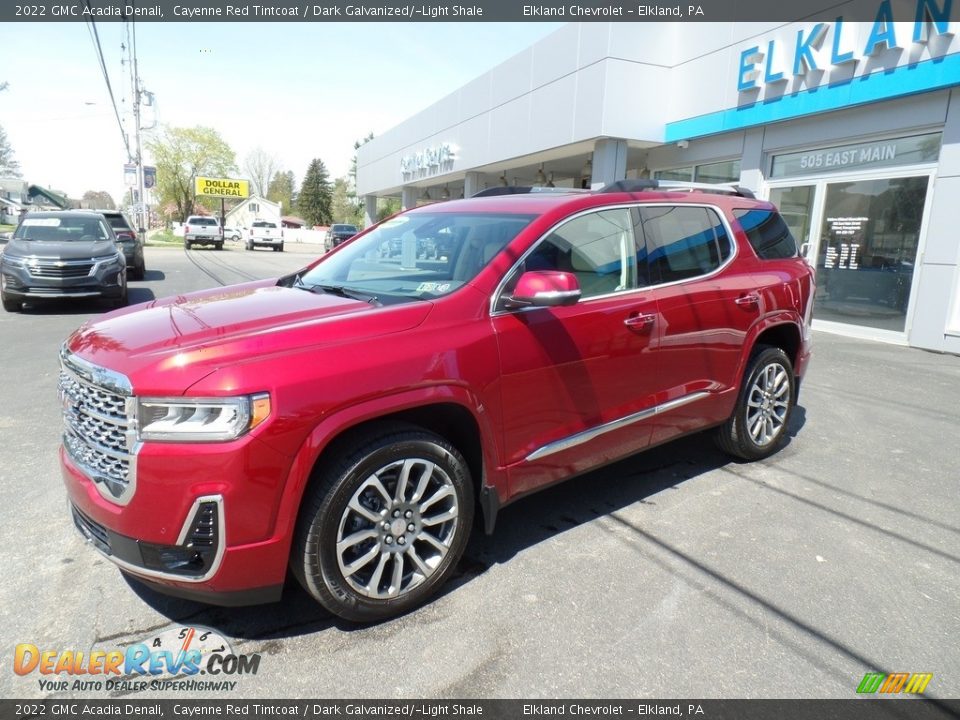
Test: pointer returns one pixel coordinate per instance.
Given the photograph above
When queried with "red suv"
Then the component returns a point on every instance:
(348, 421)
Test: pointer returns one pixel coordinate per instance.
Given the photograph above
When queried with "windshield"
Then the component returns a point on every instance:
(344, 228)
(421, 255)
(63, 229)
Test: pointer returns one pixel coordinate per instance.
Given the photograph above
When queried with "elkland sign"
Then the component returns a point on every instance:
(771, 64)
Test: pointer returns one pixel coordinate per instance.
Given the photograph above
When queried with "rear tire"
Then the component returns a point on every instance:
(187, 244)
(139, 271)
(218, 246)
(758, 425)
(384, 523)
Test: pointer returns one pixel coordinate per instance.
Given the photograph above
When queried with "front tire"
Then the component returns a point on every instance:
(758, 425)
(383, 526)
(11, 305)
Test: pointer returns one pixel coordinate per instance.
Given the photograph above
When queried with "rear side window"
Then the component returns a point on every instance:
(683, 242)
(768, 234)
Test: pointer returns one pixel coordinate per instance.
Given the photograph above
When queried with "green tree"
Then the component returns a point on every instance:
(352, 175)
(183, 154)
(280, 190)
(387, 207)
(342, 208)
(98, 200)
(315, 194)
(9, 167)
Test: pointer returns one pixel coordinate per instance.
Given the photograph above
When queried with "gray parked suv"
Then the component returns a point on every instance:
(129, 242)
(62, 254)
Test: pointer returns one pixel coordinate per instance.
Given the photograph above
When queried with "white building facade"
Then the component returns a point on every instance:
(851, 128)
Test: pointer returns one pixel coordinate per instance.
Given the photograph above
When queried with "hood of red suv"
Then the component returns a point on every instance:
(164, 346)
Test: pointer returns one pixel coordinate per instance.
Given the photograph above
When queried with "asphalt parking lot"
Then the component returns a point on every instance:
(677, 573)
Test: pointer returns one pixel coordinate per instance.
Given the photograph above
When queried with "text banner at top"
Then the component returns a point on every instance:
(876, 11)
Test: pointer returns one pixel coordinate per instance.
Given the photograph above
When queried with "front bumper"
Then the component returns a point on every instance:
(102, 280)
(154, 535)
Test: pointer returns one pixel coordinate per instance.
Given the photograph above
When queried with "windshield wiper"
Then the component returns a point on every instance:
(342, 291)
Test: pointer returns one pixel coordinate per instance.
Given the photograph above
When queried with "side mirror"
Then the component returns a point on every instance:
(544, 288)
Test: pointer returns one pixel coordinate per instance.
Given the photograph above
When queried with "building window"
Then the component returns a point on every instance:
(254, 207)
(726, 171)
(684, 174)
(721, 172)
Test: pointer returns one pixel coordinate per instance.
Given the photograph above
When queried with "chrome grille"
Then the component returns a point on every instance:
(99, 433)
(65, 269)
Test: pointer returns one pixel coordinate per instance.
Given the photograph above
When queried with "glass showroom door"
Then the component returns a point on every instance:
(796, 206)
(869, 234)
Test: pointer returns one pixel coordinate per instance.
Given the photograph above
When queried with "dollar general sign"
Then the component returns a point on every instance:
(223, 187)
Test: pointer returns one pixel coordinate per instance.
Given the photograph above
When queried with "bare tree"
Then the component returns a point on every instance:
(260, 166)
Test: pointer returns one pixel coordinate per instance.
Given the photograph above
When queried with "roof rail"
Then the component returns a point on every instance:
(645, 184)
(523, 190)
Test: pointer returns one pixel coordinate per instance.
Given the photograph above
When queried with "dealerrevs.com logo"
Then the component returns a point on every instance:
(171, 660)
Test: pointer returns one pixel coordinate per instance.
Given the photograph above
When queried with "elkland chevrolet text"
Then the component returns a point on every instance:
(348, 420)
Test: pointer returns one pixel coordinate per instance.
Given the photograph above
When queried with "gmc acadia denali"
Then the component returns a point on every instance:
(347, 421)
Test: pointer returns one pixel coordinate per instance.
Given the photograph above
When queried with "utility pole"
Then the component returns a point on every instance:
(141, 215)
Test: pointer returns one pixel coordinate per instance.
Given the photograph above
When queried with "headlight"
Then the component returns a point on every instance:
(201, 419)
(117, 258)
(16, 262)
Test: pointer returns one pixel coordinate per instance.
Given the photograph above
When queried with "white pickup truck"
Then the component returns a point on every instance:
(200, 230)
(265, 233)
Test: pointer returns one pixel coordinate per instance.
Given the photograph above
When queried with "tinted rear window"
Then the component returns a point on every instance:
(264, 223)
(117, 222)
(201, 221)
(768, 234)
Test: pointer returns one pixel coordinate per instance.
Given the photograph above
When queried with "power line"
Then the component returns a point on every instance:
(95, 37)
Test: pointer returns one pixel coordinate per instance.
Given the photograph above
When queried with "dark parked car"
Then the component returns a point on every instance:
(130, 242)
(72, 253)
(338, 234)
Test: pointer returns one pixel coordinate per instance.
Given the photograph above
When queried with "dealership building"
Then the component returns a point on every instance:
(851, 128)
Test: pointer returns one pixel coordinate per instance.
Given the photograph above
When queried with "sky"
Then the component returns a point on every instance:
(298, 90)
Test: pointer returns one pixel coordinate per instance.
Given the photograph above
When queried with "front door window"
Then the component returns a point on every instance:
(868, 247)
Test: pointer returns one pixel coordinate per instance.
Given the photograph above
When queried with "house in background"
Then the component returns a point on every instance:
(292, 221)
(40, 198)
(17, 197)
(253, 208)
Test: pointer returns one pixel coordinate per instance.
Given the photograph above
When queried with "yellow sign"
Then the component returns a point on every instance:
(223, 187)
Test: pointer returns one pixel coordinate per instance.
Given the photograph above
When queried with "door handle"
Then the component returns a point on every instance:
(748, 300)
(640, 320)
